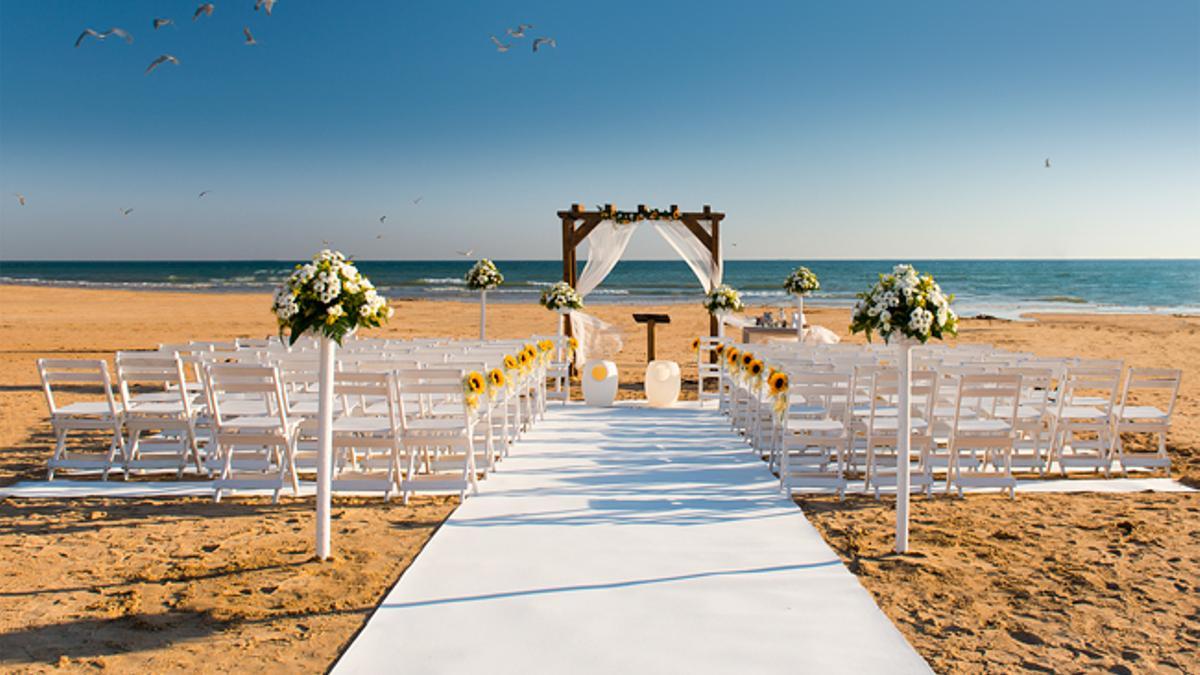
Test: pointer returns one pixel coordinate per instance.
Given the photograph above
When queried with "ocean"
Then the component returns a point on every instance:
(1002, 288)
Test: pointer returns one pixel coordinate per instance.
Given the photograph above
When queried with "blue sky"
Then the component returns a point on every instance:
(823, 130)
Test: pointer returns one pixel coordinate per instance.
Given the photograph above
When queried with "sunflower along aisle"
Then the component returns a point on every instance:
(905, 308)
(327, 297)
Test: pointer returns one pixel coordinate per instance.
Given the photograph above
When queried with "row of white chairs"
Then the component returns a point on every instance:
(978, 414)
(244, 412)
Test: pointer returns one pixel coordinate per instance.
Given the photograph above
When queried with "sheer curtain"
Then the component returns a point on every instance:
(697, 257)
(606, 245)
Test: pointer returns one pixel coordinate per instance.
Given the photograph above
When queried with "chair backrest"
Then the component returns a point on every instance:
(991, 395)
(1090, 382)
(431, 386)
(159, 369)
(366, 386)
(827, 389)
(1160, 379)
(235, 379)
(77, 372)
(885, 391)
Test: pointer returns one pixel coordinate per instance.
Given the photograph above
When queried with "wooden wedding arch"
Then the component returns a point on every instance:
(577, 224)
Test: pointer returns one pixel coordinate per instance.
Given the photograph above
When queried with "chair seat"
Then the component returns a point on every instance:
(156, 408)
(893, 423)
(362, 424)
(436, 424)
(86, 409)
(1142, 412)
(984, 425)
(814, 425)
(257, 423)
(1078, 412)
(801, 409)
(1089, 401)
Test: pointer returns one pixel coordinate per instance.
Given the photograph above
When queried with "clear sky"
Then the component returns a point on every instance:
(823, 129)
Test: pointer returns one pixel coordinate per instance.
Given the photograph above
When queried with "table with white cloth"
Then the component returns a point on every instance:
(813, 335)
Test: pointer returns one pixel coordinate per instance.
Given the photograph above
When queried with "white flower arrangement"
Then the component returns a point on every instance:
(801, 282)
(905, 304)
(723, 299)
(561, 297)
(330, 297)
(483, 276)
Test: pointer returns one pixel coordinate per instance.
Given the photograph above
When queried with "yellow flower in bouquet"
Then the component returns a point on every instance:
(695, 344)
(510, 362)
(778, 383)
(473, 385)
(755, 367)
(746, 359)
(719, 349)
(731, 355)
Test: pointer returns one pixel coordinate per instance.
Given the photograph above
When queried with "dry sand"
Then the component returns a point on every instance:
(114, 581)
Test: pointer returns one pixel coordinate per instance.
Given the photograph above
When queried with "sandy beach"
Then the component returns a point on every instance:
(133, 584)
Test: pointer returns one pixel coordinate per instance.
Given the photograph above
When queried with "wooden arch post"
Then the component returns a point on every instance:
(577, 224)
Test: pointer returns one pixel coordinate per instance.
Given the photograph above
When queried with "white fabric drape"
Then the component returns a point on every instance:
(694, 253)
(606, 245)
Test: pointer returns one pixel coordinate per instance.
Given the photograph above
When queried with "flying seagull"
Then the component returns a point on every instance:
(202, 193)
(500, 46)
(161, 59)
(467, 253)
(159, 23)
(100, 36)
(265, 4)
(381, 219)
(519, 31)
(249, 36)
(125, 212)
(1047, 162)
(537, 42)
(20, 198)
(207, 8)
(379, 236)
(418, 199)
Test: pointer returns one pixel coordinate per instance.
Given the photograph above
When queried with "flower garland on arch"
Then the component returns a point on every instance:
(625, 217)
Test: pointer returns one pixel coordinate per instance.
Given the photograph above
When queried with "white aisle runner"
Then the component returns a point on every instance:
(629, 540)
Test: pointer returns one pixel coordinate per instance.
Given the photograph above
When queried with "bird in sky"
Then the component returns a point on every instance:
(162, 59)
(500, 46)
(379, 236)
(418, 200)
(381, 219)
(1047, 162)
(20, 198)
(202, 193)
(103, 35)
(519, 31)
(265, 4)
(467, 253)
(206, 9)
(325, 241)
(125, 212)
(159, 23)
(249, 36)
(537, 42)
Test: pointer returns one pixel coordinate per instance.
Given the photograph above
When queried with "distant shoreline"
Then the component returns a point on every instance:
(1031, 313)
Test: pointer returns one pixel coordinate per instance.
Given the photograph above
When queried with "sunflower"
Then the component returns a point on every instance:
(731, 355)
(719, 349)
(756, 367)
(573, 343)
(546, 345)
(778, 382)
(474, 383)
(496, 378)
(696, 344)
(510, 362)
(747, 358)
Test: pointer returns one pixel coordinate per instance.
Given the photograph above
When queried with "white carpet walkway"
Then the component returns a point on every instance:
(629, 540)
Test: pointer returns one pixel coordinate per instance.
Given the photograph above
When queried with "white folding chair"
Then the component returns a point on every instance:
(253, 451)
(439, 435)
(1136, 417)
(1084, 418)
(814, 439)
(84, 416)
(167, 415)
(982, 433)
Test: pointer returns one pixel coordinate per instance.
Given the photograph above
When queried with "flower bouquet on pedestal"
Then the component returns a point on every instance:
(328, 297)
(721, 302)
(483, 277)
(904, 304)
(799, 283)
(907, 309)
